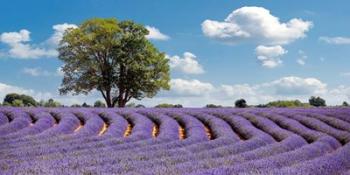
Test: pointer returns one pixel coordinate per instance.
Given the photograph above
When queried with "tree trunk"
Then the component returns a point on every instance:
(121, 103)
(109, 100)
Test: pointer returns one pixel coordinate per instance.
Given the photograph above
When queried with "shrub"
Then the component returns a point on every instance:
(213, 106)
(50, 103)
(26, 100)
(85, 105)
(317, 101)
(286, 104)
(241, 103)
(75, 106)
(99, 104)
(166, 105)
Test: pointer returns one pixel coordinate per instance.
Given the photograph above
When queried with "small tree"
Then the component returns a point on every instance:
(75, 106)
(26, 100)
(178, 106)
(241, 103)
(99, 104)
(113, 57)
(52, 103)
(345, 103)
(317, 101)
(166, 105)
(85, 105)
(212, 106)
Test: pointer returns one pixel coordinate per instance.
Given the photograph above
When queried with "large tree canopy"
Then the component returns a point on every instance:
(114, 58)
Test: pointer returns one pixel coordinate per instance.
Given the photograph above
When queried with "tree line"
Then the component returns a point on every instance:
(22, 100)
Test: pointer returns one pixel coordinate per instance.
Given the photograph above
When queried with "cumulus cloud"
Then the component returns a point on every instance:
(270, 56)
(195, 93)
(335, 40)
(255, 24)
(19, 46)
(295, 86)
(186, 64)
(258, 26)
(42, 95)
(190, 87)
(155, 34)
(6, 89)
(59, 30)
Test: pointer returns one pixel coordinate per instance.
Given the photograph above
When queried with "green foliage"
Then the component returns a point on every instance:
(286, 104)
(113, 57)
(345, 103)
(75, 106)
(17, 103)
(261, 106)
(166, 105)
(213, 106)
(99, 104)
(317, 101)
(10, 100)
(241, 103)
(85, 105)
(50, 103)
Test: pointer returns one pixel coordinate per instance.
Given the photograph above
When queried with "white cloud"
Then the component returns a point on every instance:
(301, 62)
(302, 58)
(295, 86)
(38, 95)
(19, 46)
(190, 87)
(35, 72)
(187, 64)
(15, 37)
(59, 30)
(6, 89)
(256, 24)
(270, 57)
(194, 93)
(335, 40)
(155, 34)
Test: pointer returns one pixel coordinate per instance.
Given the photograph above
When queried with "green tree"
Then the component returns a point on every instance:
(85, 105)
(51, 103)
(26, 100)
(241, 103)
(213, 106)
(99, 104)
(317, 101)
(114, 58)
(17, 103)
(287, 104)
(166, 105)
(345, 103)
(75, 106)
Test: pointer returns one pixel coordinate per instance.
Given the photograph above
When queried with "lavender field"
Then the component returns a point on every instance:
(174, 141)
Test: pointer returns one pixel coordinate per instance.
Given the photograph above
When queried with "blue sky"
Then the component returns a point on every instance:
(265, 51)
